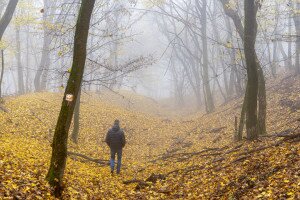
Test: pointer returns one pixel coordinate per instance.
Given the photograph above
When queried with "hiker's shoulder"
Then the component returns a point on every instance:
(110, 130)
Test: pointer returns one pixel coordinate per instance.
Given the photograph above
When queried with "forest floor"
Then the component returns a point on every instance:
(165, 157)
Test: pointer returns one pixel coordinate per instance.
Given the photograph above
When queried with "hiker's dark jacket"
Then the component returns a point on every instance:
(115, 138)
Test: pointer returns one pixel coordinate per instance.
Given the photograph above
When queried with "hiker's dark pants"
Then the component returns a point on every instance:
(113, 153)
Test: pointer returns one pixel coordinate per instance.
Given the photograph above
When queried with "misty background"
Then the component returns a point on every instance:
(153, 48)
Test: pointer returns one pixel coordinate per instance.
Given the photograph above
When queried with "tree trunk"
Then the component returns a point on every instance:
(5, 20)
(40, 79)
(252, 72)
(27, 61)
(210, 107)
(218, 83)
(7, 16)
(75, 132)
(60, 139)
(178, 84)
(262, 102)
(275, 45)
(231, 84)
(238, 83)
(21, 88)
(297, 59)
(235, 77)
(253, 66)
(284, 55)
(217, 36)
(2, 72)
(239, 135)
(42, 67)
(297, 26)
(274, 61)
(44, 80)
(290, 58)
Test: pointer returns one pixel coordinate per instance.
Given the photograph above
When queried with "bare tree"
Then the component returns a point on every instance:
(296, 7)
(5, 20)
(60, 139)
(40, 78)
(262, 103)
(202, 10)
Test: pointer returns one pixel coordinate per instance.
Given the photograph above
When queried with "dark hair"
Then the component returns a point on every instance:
(117, 122)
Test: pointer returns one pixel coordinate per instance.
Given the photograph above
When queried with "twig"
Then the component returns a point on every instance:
(33, 114)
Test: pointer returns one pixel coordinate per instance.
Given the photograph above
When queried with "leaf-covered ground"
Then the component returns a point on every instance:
(195, 157)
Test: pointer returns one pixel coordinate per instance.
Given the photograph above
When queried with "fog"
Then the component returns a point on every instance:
(149, 99)
(154, 48)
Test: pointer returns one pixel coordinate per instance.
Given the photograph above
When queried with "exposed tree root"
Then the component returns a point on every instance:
(3, 108)
(141, 184)
(185, 156)
(217, 130)
(98, 161)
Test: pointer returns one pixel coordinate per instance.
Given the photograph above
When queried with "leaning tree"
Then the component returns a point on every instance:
(60, 139)
(4, 22)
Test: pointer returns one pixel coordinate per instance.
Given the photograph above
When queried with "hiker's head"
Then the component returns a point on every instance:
(117, 122)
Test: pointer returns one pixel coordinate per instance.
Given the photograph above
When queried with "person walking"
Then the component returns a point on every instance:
(115, 139)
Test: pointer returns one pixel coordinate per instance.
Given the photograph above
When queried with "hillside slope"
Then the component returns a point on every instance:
(190, 159)
(138, 103)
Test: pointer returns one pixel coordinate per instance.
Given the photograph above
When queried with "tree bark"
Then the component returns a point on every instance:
(2, 72)
(5, 20)
(7, 16)
(75, 132)
(252, 71)
(262, 102)
(239, 135)
(259, 72)
(60, 139)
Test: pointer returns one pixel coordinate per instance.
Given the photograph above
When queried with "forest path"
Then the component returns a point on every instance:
(196, 156)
